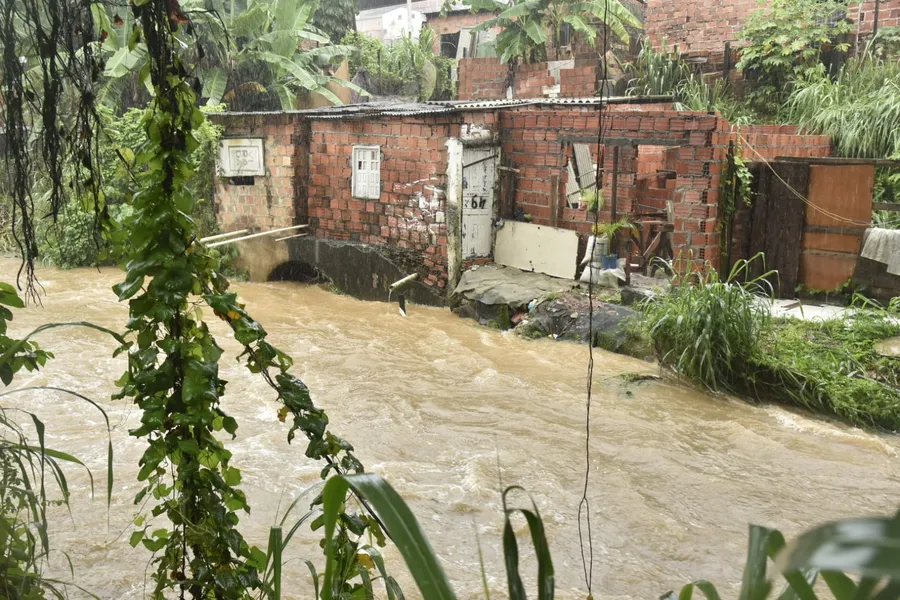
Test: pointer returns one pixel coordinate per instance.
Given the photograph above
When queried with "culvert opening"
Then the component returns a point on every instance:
(297, 271)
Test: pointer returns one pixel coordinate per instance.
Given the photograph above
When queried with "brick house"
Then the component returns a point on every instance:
(434, 180)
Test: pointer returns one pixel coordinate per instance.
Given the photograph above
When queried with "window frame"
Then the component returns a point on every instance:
(355, 171)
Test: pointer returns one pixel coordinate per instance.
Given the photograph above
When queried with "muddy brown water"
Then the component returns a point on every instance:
(435, 404)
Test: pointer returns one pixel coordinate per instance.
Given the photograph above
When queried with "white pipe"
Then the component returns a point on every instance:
(220, 236)
(404, 281)
(290, 237)
(256, 235)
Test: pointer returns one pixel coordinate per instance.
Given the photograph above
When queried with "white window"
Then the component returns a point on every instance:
(367, 172)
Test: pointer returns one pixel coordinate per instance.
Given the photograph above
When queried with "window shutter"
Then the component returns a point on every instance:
(367, 172)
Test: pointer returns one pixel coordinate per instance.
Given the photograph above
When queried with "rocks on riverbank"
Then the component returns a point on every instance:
(537, 305)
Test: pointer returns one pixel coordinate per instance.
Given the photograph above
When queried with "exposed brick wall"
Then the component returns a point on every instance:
(486, 79)
(481, 79)
(272, 201)
(664, 156)
(705, 25)
(768, 142)
(530, 80)
(410, 212)
(699, 25)
(888, 15)
(578, 82)
(452, 23)
(534, 140)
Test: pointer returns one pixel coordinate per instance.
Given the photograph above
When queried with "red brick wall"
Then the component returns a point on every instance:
(579, 82)
(274, 200)
(411, 211)
(534, 138)
(481, 79)
(768, 142)
(888, 15)
(452, 23)
(705, 25)
(530, 80)
(486, 79)
(534, 141)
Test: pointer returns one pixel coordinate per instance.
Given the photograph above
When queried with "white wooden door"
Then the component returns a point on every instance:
(479, 170)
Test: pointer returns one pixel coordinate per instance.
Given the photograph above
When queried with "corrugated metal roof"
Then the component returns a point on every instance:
(407, 109)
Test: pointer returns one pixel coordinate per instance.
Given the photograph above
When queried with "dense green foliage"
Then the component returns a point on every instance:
(74, 239)
(336, 18)
(662, 73)
(832, 367)
(409, 67)
(859, 108)
(529, 28)
(262, 57)
(786, 43)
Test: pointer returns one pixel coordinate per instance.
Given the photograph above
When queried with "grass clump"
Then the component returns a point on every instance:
(859, 109)
(832, 367)
(708, 329)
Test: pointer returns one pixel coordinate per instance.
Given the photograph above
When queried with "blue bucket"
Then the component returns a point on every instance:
(610, 261)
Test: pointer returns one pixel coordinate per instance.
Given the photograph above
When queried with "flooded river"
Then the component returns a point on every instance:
(435, 404)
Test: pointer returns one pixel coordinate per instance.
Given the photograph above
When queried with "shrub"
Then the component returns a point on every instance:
(74, 240)
(832, 366)
(786, 44)
(408, 67)
(859, 108)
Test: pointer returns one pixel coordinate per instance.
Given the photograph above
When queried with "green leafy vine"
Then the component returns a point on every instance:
(173, 357)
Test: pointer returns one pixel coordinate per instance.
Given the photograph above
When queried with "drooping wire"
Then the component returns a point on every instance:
(794, 191)
(584, 506)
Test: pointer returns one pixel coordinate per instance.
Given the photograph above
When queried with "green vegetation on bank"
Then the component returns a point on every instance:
(74, 239)
(719, 334)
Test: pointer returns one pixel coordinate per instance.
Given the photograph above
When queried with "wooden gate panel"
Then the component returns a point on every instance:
(779, 215)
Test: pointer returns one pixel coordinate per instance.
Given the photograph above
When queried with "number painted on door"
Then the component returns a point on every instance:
(478, 201)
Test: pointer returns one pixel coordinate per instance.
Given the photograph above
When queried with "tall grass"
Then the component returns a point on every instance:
(832, 366)
(859, 109)
(720, 334)
(664, 74)
(708, 329)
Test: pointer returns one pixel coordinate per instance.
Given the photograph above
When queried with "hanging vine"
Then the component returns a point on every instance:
(172, 373)
(49, 71)
(173, 358)
(737, 188)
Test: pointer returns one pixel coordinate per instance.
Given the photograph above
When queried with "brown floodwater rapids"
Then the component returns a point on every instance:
(443, 409)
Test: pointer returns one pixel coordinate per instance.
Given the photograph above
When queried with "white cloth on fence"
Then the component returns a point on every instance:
(883, 245)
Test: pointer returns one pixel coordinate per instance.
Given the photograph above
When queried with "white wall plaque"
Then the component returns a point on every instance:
(241, 157)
